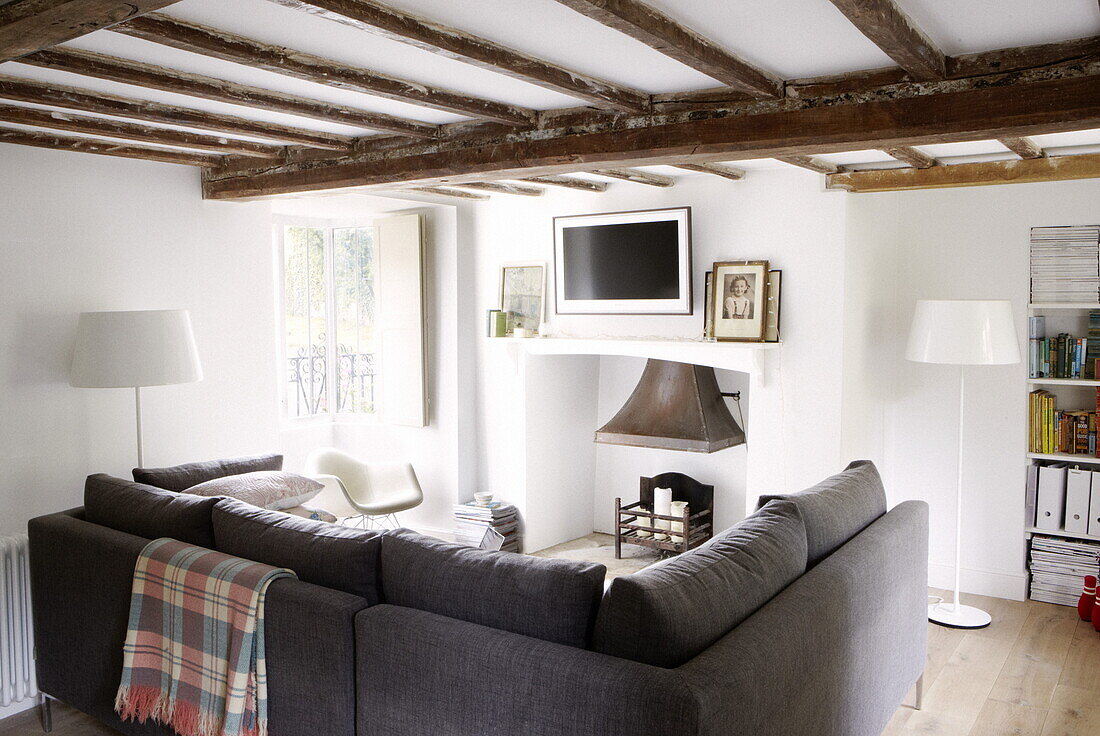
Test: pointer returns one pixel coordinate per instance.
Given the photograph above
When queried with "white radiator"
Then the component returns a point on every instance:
(17, 680)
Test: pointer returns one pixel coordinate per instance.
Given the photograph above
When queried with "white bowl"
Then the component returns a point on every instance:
(483, 498)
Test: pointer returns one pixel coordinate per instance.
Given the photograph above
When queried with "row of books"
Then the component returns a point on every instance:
(1052, 430)
(472, 519)
(1065, 264)
(1064, 356)
(1058, 568)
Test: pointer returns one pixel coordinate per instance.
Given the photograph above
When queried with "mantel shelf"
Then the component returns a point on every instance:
(746, 357)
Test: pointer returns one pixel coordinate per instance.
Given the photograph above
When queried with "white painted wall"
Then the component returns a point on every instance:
(81, 232)
(950, 244)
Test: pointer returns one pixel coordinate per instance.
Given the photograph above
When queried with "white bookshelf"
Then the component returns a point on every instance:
(1065, 458)
(1062, 382)
(1062, 305)
(1060, 533)
(1069, 317)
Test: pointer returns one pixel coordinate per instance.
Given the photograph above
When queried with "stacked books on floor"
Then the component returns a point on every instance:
(1065, 264)
(1058, 567)
(1053, 430)
(472, 519)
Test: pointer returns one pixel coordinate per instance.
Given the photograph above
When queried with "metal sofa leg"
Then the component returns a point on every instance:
(45, 713)
(920, 692)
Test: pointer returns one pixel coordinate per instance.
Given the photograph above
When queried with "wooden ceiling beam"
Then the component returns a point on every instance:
(27, 26)
(635, 176)
(72, 98)
(454, 44)
(726, 172)
(1021, 58)
(656, 30)
(568, 182)
(503, 187)
(106, 148)
(1023, 147)
(199, 39)
(1054, 168)
(1047, 100)
(908, 154)
(116, 69)
(134, 132)
(891, 30)
(448, 192)
(817, 165)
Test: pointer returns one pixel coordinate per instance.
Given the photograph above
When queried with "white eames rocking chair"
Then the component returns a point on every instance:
(367, 495)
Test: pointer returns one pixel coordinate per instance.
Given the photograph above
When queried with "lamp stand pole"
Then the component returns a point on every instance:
(137, 407)
(956, 615)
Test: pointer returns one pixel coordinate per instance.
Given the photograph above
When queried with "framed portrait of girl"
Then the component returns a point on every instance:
(739, 298)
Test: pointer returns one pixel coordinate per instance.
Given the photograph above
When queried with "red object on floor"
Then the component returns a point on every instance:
(1096, 613)
(1087, 602)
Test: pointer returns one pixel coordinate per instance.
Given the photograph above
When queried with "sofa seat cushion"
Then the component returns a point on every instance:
(182, 477)
(838, 508)
(671, 611)
(324, 554)
(553, 600)
(149, 512)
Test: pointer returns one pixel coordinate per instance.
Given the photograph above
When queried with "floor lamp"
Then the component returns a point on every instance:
(135, 349)
(962, 333)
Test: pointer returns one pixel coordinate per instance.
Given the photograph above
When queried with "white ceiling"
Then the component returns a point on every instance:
(791, 38)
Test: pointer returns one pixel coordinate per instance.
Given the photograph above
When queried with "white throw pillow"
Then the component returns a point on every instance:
(274, 490)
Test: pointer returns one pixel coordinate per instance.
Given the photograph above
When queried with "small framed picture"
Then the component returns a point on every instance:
(739, 300)
(708, 305)
(771, 320)
(522, 294)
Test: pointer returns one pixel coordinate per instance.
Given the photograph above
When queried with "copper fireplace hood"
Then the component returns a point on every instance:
(675, 406)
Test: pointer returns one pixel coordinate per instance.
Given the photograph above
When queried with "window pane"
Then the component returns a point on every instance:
(354, 272)
(305, 305)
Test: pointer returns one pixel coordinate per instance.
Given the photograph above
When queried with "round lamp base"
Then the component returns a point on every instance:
(958, 616)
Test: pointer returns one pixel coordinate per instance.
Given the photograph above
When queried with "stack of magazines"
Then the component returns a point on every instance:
(1058, 568)
(1065, 264)
(472, 519)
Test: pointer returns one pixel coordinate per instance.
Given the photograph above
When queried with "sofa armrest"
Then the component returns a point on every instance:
(421, 673)
(81, 576)
(834, 653)
(81, 582)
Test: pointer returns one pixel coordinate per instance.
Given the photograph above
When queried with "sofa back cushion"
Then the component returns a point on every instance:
(554, 600)
(838, 508)
(324, 554)
(671, 611)
(149, 512)
(182, 477)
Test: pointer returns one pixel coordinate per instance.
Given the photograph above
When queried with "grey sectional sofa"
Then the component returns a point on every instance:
(806, 618)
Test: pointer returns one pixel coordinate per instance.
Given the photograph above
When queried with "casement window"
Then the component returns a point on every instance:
(351, 318)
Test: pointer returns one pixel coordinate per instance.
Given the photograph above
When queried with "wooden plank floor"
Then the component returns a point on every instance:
(1034, 672)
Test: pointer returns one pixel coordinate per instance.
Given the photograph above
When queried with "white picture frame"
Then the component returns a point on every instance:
(522, 294)
(680, 305)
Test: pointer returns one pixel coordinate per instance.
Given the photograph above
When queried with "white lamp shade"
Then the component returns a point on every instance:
(130, 349)
(963, 332)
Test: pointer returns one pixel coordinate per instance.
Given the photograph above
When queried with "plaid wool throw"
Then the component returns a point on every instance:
(194, 652)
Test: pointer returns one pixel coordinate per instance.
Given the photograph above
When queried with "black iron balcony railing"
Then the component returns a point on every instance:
(309, 376)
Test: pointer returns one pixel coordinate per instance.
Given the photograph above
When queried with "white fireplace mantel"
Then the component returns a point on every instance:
(746, 357)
